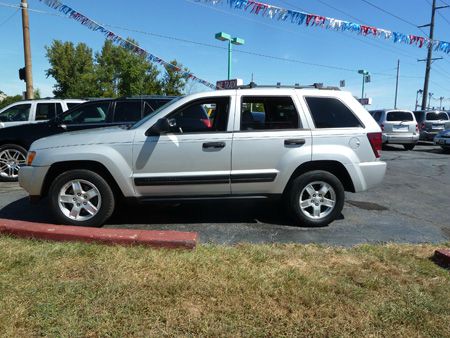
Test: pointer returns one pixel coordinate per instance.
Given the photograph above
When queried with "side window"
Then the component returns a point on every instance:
(377, 115)
(262, 113)
(96, 112)
(417, 115)
(45, 111)
(17, 113)
(127, 111)
(151, 105)
(59, 108)
(72, 104)
(331, 113)
(205, 115)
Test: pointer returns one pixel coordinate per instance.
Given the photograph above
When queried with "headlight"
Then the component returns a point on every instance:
(30, 157)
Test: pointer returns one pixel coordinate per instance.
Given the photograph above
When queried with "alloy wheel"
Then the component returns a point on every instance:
(317, 200)
(79, 200)
(10, 162)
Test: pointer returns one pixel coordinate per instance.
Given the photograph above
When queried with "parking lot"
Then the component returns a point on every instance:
(411, 206)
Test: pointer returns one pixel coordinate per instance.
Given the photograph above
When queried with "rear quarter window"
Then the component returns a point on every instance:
(330, 112)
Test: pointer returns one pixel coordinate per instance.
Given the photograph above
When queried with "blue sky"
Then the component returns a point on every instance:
(187, 19)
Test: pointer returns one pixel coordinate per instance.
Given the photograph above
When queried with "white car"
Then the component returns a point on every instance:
(30, 111)
(305, 145)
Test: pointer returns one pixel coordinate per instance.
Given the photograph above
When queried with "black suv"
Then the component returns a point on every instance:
(15, 141)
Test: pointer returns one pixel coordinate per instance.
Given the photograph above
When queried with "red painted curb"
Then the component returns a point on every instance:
(443, 256)
(154, 238)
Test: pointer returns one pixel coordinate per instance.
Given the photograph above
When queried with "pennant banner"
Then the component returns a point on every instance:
(308, 19)
(92, 25)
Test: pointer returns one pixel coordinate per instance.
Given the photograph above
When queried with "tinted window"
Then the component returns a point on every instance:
(262, 113)
(331, 113)
(71, 105)
(436, 116)
(45, 111)
(151, 105)
(206, 115)
(96, 112)
(59, 109)
(127, 111)
(399, 116)
(376, 115)
(16, 113)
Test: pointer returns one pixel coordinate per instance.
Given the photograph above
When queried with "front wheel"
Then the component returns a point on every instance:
(316, 198)
(81, 197)
(12, 157)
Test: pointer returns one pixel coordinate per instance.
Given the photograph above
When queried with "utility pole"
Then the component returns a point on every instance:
(430, 54)
(396, 84)
(27, 50)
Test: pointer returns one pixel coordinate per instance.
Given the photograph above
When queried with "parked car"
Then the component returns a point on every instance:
(397, 126)
(431, 122)
(31, 111)
(311, 146)
(442, 139)
(15, 141)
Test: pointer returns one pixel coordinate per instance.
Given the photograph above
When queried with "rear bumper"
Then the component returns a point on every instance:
(399, 138)
(442, 141)
(32, 179)
(367, 174)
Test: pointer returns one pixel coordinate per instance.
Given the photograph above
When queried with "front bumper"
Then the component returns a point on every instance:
(399, 138)
(32, 179)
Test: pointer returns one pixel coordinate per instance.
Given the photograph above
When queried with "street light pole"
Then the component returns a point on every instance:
(231, 41)
(366, 77)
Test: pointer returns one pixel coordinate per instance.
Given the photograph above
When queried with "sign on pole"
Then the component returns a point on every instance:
(229, 84)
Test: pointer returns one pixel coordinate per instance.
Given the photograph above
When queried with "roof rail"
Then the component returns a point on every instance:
(296, 86)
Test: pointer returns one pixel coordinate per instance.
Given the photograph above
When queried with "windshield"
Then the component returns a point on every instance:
(436, 116)
(399, 116)
(149, 116)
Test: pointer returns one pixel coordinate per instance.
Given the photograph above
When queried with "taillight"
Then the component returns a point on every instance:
(417, 128)
(376, 142)
(422, 126)
(382, 127)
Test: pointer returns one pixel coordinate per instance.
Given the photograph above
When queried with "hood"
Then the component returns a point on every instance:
(85, 137)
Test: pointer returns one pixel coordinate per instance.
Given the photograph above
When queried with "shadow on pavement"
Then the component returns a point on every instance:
(186, 213)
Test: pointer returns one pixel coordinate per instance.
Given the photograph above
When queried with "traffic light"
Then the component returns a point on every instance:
(22, 74)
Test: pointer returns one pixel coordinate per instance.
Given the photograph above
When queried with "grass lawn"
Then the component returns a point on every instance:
(74, 289)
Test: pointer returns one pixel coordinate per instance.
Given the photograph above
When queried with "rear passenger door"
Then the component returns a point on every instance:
(271, 139)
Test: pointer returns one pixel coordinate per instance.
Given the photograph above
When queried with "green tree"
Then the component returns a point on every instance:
(10, 99)
(120, 72)
(37, 93)
(73, 69)
(174, 82)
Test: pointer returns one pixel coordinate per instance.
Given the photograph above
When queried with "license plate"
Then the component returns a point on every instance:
(438, 126)
(401, 128)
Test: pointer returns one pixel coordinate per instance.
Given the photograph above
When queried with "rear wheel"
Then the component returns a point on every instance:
(81, 197)
(409, 146)
(12, 157)
(316, 198)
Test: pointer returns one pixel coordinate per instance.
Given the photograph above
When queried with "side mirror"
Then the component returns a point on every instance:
(162, 126)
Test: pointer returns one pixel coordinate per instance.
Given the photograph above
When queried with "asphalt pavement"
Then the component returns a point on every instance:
(412, 205)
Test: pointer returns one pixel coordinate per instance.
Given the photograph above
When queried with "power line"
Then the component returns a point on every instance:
(389, 13)
(9, 18)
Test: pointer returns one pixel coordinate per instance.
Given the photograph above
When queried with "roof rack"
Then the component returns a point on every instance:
(252, 85)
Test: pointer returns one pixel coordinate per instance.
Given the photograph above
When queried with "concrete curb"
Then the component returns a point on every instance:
(442, 256)
(154, 238)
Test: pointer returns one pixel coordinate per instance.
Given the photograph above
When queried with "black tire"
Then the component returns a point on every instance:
(105, 192)
(409, 146)
(296, 189)
(4, 172)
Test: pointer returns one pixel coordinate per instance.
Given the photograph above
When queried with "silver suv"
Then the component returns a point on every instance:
(306, 145)
(398, 127)
(431, 122)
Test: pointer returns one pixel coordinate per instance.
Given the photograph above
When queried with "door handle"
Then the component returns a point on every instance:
(295, 142)
(208, 145)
